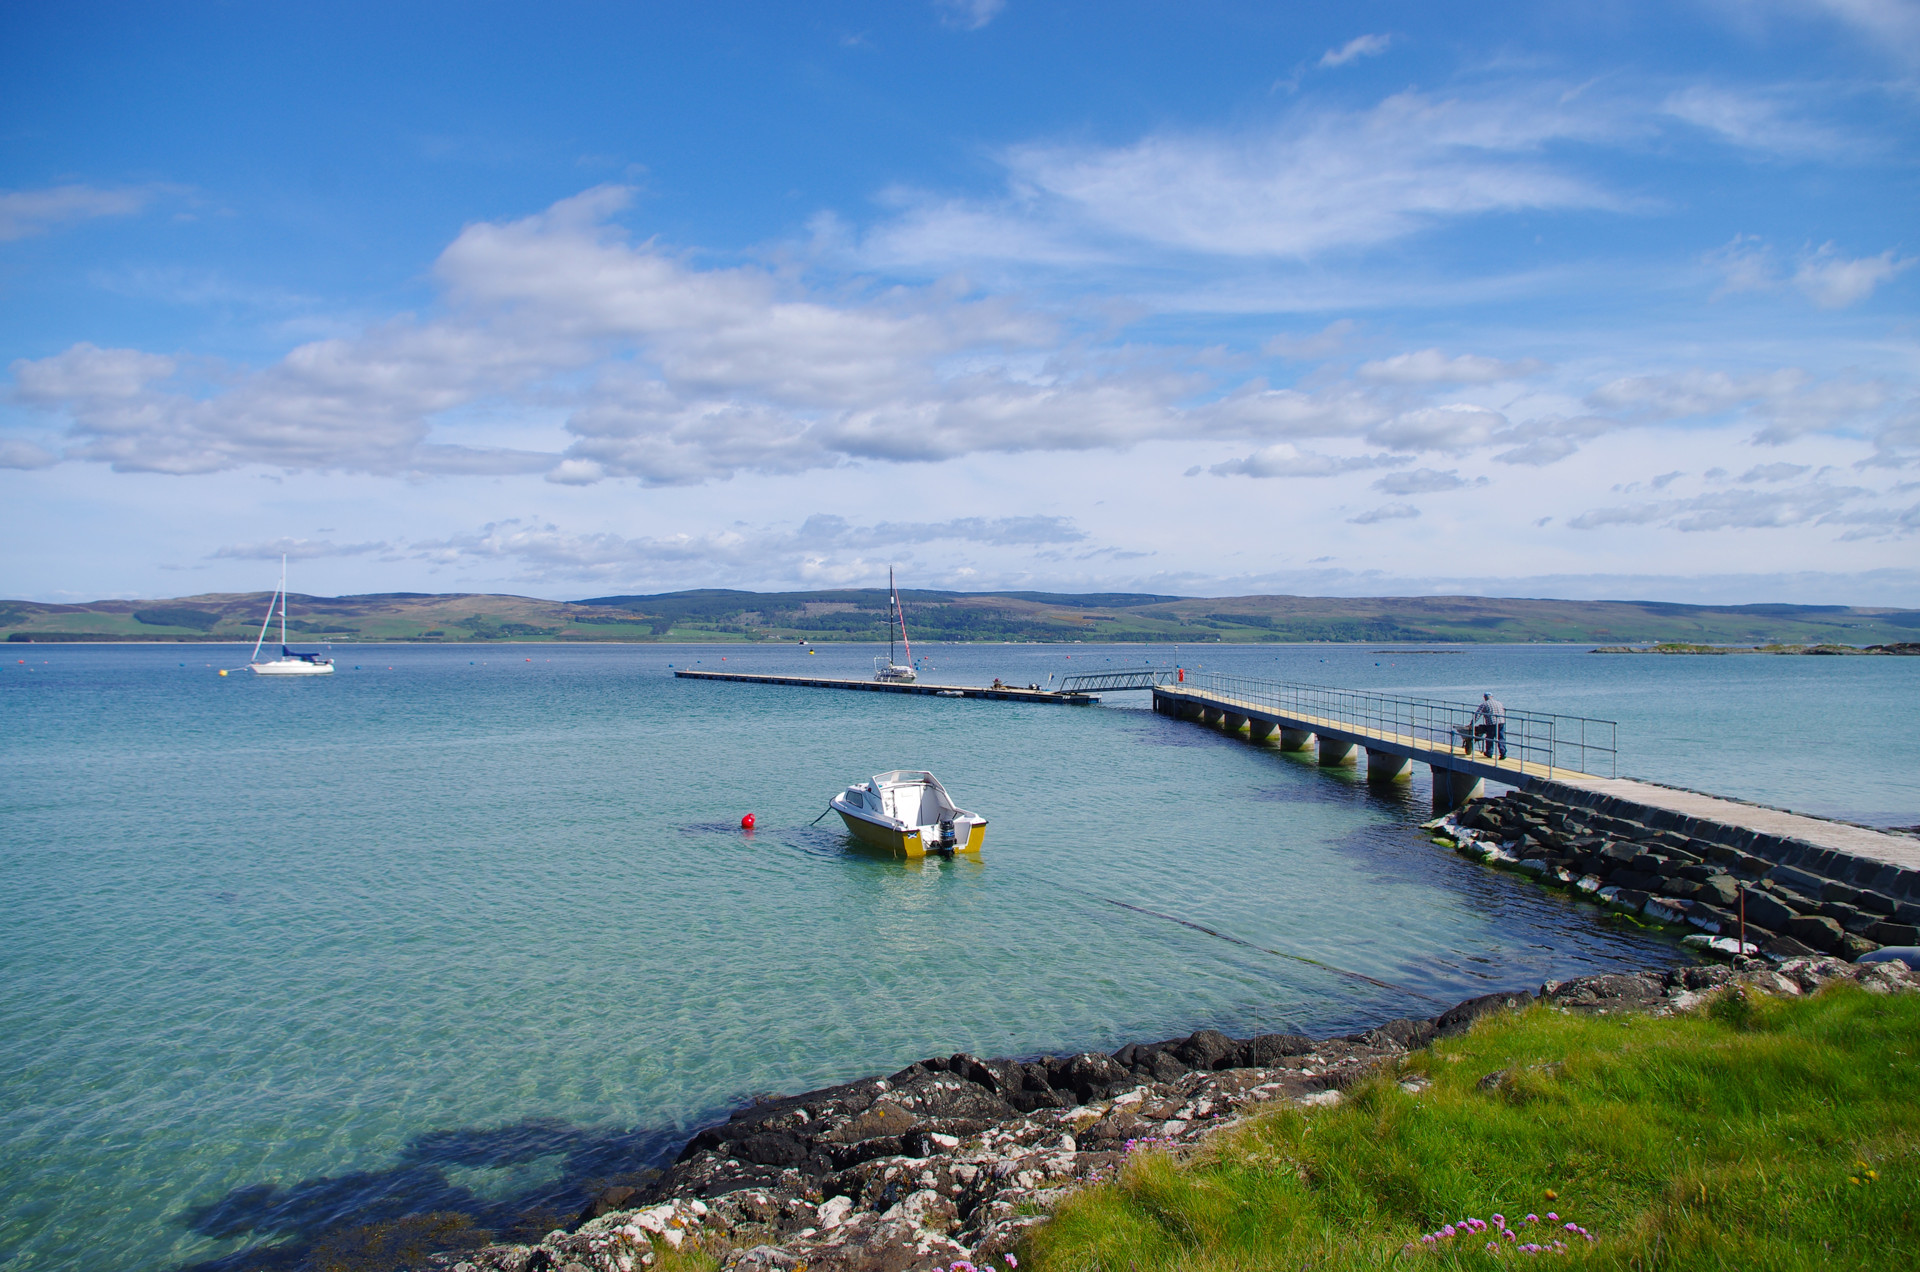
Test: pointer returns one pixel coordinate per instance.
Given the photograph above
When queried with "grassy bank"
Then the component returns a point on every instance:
(1762, 1134)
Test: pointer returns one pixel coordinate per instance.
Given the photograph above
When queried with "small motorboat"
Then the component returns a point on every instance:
(908, 811)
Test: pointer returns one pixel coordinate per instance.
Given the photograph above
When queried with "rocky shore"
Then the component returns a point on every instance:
(1689, 882)
(955, 1158)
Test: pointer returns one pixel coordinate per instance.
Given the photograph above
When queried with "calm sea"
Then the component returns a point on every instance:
(470, 927)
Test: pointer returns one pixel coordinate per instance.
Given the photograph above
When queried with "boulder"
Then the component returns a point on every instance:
(1269, 1049)
(1799, 880)
(1832, 890)
(1683, 889)
(1853, 946)
(1408, 1035)
(1894, 933)
(1092, 1076)
(1720, 890)
(1768, 911)
(1875, 903)
(1459, 1019)
(1786, 947)
(1630, 899)
(1204, 1049)
(606, 1201)
(1817, 930)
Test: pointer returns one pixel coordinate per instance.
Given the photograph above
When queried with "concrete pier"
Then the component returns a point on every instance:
(1865, 857)
(1385, 766)
(1005, 693)
(1335, 750)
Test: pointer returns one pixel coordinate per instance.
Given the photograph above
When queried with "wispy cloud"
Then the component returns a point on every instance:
(296, 550)
(24, 213)
(17, 452)
(1320, 179)
(1833, 281)
(968, 15)
(1430, 366)
(1386, 512)
(1425, 481)
(1358, 47)
(1284, 459)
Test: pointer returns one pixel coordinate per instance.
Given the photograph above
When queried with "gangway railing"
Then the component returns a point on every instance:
(1579, 743)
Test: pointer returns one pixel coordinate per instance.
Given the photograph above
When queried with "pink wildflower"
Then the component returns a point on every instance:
(1573, 1227)
(1447, 1231)
(1553, 1217)
(1533, 1218)
(1499, 1221)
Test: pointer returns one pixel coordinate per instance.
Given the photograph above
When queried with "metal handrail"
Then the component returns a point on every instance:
(1540, 737)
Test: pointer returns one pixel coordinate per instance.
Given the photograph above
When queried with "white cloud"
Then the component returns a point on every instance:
(1731, 509)
(1754, 121)
(1317, 180)
(1891, 26)
(1773, 472)
(24, 213)
(1539, 452)
(1674, 395)
(1425, 481)
(1358, 47)
(823, 550)
(16, 452)
(1284, 459)
(296, 550)
(1386, 512)
(1316, 345)
(1430, 366)
(968, 15)
(1832, 281)
(1453, 427)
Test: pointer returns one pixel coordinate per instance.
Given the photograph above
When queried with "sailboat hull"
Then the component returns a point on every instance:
(291, 667)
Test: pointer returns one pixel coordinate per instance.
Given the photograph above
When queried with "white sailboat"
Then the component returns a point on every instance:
(894, 673)
(290, 662)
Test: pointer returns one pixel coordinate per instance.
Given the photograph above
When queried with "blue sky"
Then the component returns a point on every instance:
(1586, 299)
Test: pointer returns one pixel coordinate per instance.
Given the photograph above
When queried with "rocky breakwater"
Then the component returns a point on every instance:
(954, 1159)
(1668, 877)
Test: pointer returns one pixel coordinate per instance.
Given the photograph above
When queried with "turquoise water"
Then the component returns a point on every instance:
(469, 927)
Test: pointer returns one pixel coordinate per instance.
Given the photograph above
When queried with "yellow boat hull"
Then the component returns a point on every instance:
(906, 843)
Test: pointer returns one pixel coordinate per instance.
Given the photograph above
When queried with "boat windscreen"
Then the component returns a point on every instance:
(902, 776)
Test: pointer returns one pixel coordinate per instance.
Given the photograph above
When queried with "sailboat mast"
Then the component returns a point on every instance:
(901, 610)
(893, 602)
(283, 600)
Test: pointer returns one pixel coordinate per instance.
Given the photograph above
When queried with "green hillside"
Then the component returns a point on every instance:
(861, 615)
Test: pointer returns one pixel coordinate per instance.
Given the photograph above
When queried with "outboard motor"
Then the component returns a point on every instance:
(946, 836)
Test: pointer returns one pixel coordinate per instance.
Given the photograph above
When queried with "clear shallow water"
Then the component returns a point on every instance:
(467, 926)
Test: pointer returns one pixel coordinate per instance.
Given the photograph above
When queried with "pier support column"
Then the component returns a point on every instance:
(1210, 715)
(1234, 723)
(1295, 739)
(1451, 789)
(1333, 752)
(1260, 730)
(1384, 767)
(1192, 711)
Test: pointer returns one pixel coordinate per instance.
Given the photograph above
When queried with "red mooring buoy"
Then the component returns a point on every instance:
(746, 823)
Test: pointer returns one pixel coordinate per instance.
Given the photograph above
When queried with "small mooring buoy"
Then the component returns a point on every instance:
(746, 823)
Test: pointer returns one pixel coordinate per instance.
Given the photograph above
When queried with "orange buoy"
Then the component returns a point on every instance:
(746, 823)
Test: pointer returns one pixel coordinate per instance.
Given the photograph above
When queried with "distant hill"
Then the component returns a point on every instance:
(860, 614)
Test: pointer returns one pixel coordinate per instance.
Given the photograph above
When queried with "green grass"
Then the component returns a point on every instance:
(1725, 1139)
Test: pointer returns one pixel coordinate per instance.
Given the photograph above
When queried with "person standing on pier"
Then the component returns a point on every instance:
(1490, 723)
